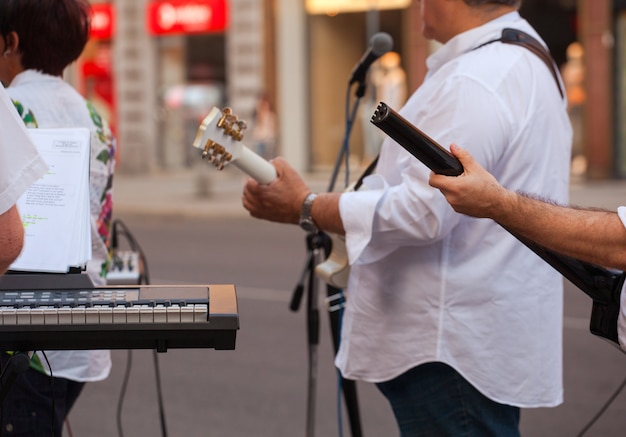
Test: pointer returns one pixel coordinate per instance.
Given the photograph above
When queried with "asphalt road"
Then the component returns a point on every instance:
(260, 388)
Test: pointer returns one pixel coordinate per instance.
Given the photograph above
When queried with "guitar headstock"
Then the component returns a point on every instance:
(219, 137)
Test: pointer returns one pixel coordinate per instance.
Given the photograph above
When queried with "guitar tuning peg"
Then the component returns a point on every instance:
(226, 112)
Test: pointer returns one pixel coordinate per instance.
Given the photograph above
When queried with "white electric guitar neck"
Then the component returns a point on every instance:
(220, 137)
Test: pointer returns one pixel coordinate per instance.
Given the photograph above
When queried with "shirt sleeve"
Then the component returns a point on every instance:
(621, 212)
(20, 163)
(398, 207)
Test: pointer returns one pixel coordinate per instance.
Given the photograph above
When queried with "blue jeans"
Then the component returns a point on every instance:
(433, 400)
(27, 410)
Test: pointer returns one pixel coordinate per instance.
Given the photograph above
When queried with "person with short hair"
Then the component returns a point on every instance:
(38, 40)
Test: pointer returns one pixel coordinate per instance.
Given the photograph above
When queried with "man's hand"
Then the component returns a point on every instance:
(281, 200)
(475, 192)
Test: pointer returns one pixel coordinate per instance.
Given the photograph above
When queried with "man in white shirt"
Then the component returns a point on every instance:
(457, 323)
(591, 235)
(20, 166)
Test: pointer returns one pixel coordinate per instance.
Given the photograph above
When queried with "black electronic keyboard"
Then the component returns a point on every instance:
(119, 317)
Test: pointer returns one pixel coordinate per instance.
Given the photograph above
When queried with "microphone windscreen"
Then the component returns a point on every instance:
(381, 43)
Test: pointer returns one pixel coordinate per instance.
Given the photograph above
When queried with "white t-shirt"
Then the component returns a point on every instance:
(20, 163)
(621, 321)
(428, 284)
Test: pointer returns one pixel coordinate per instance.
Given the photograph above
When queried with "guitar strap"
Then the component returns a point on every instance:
(509, 36)
(521, 38)
(368, 171)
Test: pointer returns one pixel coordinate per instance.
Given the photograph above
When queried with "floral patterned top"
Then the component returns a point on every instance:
(35, 112)
(45, 101)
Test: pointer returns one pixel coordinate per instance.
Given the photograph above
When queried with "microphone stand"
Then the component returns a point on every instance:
(309, 279)
(316, 243)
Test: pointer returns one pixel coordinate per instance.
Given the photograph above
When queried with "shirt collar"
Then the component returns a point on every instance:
(468, 40)
(27, 76)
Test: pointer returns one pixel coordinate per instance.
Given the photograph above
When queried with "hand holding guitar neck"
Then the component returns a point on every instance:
(220, 138)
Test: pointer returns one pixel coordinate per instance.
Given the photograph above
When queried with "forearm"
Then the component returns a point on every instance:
(591, 235)
(11, 237)
(325, 213)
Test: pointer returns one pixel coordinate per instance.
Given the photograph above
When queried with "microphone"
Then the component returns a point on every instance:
(379, 44)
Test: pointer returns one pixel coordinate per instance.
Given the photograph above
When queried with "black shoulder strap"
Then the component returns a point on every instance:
(521, 38)
(368, 171)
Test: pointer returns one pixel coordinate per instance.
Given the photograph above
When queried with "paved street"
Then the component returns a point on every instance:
(260, 389)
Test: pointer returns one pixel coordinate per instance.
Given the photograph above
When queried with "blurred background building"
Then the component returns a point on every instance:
(156, 67)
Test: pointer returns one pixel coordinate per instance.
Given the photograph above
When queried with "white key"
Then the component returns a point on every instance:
(201, 313)
(146, 314)
(37, 316)
(50, 316)
(106, 314)
(78, 315)
(160, 314)
(186, 314)
(119, 314)
(65, 315)
(23, 316)
(8, 316)
(173, 314)
(92, 315)
(132, 315)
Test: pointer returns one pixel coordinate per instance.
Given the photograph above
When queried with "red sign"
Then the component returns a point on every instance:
(102, 21)
(186, 16)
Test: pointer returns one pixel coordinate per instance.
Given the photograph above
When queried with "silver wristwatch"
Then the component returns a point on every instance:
(306, 221)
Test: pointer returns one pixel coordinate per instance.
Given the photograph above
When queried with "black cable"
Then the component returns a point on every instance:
(602, 410)
(159, 393)
(144, 279)
(344, 152)
(120, 400)
(52, 396)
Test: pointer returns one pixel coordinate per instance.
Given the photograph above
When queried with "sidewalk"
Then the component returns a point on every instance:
(206, 192)
(195, 192)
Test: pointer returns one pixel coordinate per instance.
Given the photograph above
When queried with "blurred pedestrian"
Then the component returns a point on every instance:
(264, 128)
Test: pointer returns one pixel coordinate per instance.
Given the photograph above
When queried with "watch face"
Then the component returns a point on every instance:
(306, 221)
(308, 225)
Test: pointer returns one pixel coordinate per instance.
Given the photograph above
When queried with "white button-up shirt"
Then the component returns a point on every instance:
(428, 284)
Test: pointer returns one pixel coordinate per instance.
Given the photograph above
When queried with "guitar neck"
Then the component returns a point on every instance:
(255, 166)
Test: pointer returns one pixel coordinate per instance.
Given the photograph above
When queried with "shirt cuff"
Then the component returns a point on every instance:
(621, 212)
(357, 212)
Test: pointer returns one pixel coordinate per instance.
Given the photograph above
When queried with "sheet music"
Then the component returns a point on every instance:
(55, 209)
